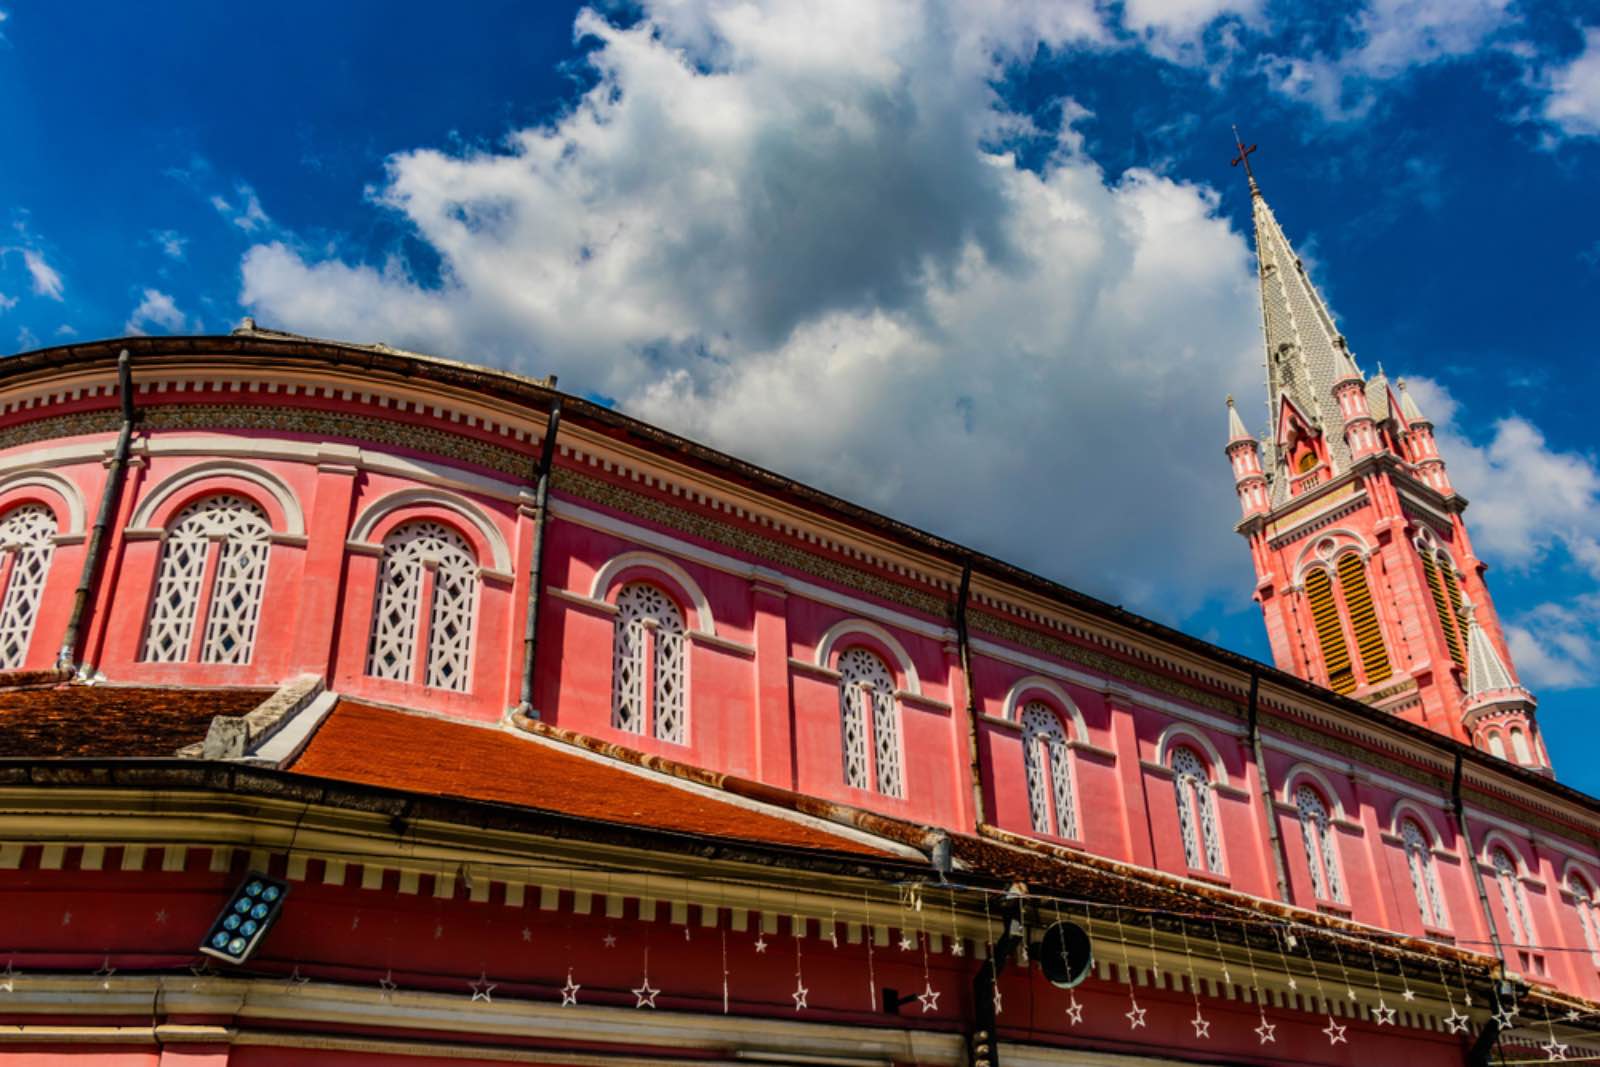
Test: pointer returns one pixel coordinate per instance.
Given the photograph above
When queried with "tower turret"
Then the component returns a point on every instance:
(1364, 570)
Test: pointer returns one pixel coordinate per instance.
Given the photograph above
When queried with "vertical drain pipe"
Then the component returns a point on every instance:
(66, 659)
(541, 514)
(963, 648)
(1472, 861)
(1279, 867)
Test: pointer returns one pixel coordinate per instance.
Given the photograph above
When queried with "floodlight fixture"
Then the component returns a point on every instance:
(250, 912)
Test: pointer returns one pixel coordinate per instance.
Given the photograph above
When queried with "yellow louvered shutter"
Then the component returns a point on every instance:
(1453, 591)
(1325, 616)
(1441, 602)
(1363, 619)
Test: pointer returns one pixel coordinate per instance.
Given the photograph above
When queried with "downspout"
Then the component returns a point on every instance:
(983, 1043)
(964, 650)
(67, 657)
(1279, 866)
(541, 500)
(1472, 861)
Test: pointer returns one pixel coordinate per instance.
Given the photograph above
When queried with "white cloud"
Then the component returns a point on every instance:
(171, 242)
(1181, 30)
(46, 280)
(156, 309)
(1573, 103)
(247, 213)
(779, 230)
(7, 302)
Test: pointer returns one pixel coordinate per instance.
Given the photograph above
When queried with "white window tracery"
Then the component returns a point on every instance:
(1316, 830)
(1424, 876)
(213, 567)
(1049, 772)
(1583, 901)
(870, 721)
(1513, 902)
(428, 573)
(27, 541)
(648, 656)
(1197, 811)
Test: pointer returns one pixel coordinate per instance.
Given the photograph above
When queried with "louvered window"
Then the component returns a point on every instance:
(1044, 747)
(1197, 812)
(1513, 902)
(870, 721)
(1583, 903)
(27, 541)
(647, 656)
(1316, 830)
(1442, 603)
(425, 609)
(1363, 619)
(1424, 878)
(1330, 634)
(211, 579)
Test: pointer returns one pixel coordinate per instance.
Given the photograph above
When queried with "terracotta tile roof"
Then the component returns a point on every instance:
(79, 721)
(397, 750)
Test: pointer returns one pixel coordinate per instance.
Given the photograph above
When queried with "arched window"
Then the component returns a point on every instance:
(871, 723)
(1363, 618)
(647, 656)
(1441, 575)
(213, 570)
(424, 612)
(1330, 634)
(1197, 811)
(1044, 749)
(1424, 878)
(1519, 746)
(1519, 927)
(1583, 901)
(27, 541)
(1497, 745)
(1316, 830)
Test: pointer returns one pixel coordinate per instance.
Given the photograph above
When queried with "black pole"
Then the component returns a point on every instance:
(964, 650)
(541, 515)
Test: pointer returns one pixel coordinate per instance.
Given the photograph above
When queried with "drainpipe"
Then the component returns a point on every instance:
(1472, 861)
(1279, 866)
(964, 648)
(66, 658)
(541, 499)
(983, 1042)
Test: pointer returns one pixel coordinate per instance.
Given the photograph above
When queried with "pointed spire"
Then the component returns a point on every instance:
(1486, 671)
(1408, 406)
(1236, 430)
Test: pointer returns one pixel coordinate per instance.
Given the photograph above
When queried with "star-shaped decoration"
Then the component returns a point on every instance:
(1554, 1049)
(1573, 1015)
(1383, 1015)
(647, 995)
(161, 917)
(295, 981)
(958, 947)
(1267, 1032)
(1456, 1021)
(1292, 983)
(1227, 978)
(527, 934)
(569, 992)
(355, 922)
(438, 931)
(1134, 1015)
(1506, 1013)
(1202, 1025)
(799, 995)
(997, 1001)
(1408, 995)
(1350, 994)
(483, 989)
(8, 978)
(1334, 1031)
(610, 940)
(906, 944)
(387, 984)
(833, 936)
(1074, 1011)
(928, 998)
(761, 943)
(686, 936)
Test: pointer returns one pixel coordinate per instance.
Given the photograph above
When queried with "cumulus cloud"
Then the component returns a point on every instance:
(46, 280)
(171, 242)
(156, 309)
(799, 236)
(1573, 103)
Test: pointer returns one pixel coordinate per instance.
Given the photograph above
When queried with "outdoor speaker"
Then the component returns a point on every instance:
(1065, 954)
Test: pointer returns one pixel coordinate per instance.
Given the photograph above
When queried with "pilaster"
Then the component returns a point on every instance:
(774, 727)
(327, 527)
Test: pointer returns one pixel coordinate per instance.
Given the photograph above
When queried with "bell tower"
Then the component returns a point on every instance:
(1365, 574)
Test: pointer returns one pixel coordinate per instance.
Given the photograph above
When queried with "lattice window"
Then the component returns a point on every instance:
(1316, 830)
(1330, 633)
(1197, 811)
(1513, 902)
(871, 723)
(27, 541)
(1424, 877)
(1583, 902)
(647, 650)
(213, 560)
(428, 572)
(1045, 756)
(1363, 618)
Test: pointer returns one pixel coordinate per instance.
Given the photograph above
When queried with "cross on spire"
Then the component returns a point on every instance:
(1244, 157)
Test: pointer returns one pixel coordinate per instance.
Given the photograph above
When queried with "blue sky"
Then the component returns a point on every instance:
(984, 267)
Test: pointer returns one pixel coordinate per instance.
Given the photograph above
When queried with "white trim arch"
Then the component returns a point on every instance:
(1180, 733)
(1324, 786)
(1584, 874)
(61, 486)
(1404, 809)
(367, 521)
(1500, 839)
(1057, 696)
(1342, 538)
(294, 519)
(845, 627)
(606, 577)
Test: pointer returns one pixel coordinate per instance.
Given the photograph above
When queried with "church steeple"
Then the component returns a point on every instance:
(1365, 573)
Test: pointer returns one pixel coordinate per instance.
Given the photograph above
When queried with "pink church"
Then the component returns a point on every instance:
(364, 707)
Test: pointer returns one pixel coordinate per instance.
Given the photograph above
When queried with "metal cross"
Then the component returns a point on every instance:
(1244, 155)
